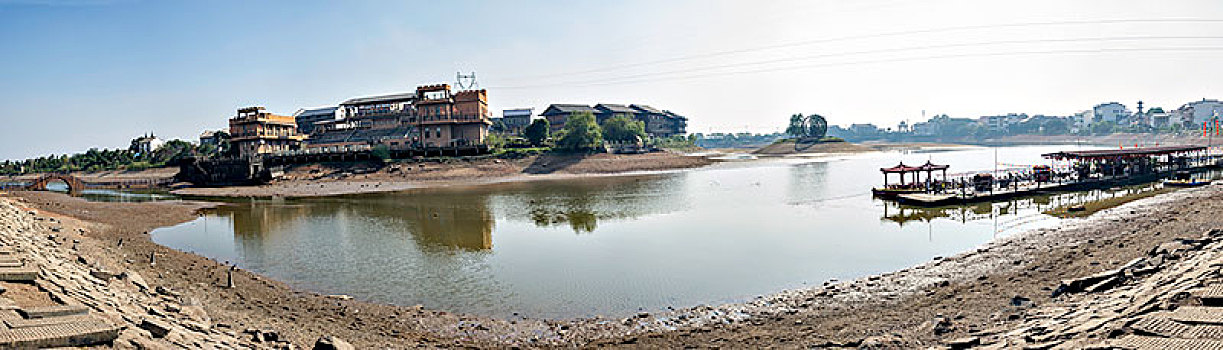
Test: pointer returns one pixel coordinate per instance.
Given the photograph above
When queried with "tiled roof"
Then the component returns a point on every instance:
(407, 96)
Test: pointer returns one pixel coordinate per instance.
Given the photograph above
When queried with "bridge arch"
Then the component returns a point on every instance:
(74, 184)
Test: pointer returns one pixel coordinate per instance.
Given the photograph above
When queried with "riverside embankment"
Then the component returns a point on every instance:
(315, 180)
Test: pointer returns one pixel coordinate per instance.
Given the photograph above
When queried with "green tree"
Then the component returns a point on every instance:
(796, 128)
(581, 133)
(381, 152)
(537, 132)
(623, 129)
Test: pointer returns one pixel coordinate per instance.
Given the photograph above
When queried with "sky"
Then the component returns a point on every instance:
(78, 74)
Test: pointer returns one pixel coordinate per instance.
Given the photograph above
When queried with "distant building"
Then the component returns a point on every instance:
(556, 114)
(513, 121)
(1110, 112)
(212, 137)
(1001, 123)
(146, 144)
(1158, 118)
(254, 131)
(307, 118)
(658, 123)
(1193, 114)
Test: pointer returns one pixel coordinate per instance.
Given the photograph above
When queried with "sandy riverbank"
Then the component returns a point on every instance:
(335, 179)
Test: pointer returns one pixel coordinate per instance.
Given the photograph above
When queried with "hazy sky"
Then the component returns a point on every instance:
(80, 74)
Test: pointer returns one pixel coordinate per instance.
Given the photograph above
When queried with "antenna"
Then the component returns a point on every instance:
(466, 81)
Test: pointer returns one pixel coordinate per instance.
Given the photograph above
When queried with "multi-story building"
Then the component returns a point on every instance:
(212, 137)
(308, 118)
(513, 121)
(1193, 114)
(658, 123)
(452, 119)
(432, 116)
(1158, 118)
(1111, 112)
(255, 131)
(556, 114)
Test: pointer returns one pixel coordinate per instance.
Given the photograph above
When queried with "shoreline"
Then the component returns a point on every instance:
(839, 313)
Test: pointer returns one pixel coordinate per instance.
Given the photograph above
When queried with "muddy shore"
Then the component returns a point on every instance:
(950, 297)
(335, 179)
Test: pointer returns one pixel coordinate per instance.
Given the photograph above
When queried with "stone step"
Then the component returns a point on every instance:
(39, 322)
(1210, 294)
(83, 333)
(1164, 327)
(53, 311)
(11, 263)
(1141, 342)
(1197, 314)
(15, 274)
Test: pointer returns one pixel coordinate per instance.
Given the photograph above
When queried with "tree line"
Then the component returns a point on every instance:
(96, 159)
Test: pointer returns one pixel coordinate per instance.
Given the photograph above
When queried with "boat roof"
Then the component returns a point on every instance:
(1123, 152)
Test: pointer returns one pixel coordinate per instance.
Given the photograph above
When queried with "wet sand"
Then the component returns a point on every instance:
(337, 179)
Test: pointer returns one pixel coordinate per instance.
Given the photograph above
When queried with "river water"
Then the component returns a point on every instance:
(614, 245)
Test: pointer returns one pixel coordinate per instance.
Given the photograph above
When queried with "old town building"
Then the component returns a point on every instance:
(432, 116)
(658, 123)
(255, 131)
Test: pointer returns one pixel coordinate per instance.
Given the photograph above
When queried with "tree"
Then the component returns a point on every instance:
(622, 129)
(796, 128)
(381, 152)
(537, 132)
(581, 133)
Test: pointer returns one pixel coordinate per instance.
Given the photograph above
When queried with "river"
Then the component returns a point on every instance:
(613, 246)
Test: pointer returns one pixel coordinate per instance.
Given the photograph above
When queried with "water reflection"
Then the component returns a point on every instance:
(610, 245)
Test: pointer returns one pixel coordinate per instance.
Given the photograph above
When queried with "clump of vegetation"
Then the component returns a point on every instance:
(622, 129)
(581, 133)
(537, 132)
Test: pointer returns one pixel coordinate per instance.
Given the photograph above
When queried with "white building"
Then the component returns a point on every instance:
(1082, 119)
(146, 144)
(1110, 112)
(1193, 114)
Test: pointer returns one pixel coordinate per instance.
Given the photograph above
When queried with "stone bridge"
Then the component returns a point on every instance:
(76, 184)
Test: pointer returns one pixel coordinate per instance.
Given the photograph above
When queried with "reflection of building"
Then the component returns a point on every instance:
(255, 131)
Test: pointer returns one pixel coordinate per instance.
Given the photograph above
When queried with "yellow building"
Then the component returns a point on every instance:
(254, 131)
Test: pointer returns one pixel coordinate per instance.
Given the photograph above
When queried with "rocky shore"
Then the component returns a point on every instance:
(1132, 262)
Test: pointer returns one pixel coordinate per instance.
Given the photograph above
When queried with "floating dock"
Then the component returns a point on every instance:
(1092, 169)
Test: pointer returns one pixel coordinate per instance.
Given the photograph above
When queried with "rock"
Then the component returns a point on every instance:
(963, 343)
(101, 274)
(332, 343)
(154, 327)
(942, 325)
(1021, 301)
(167, 291)
(135, 278)
(340, 297)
